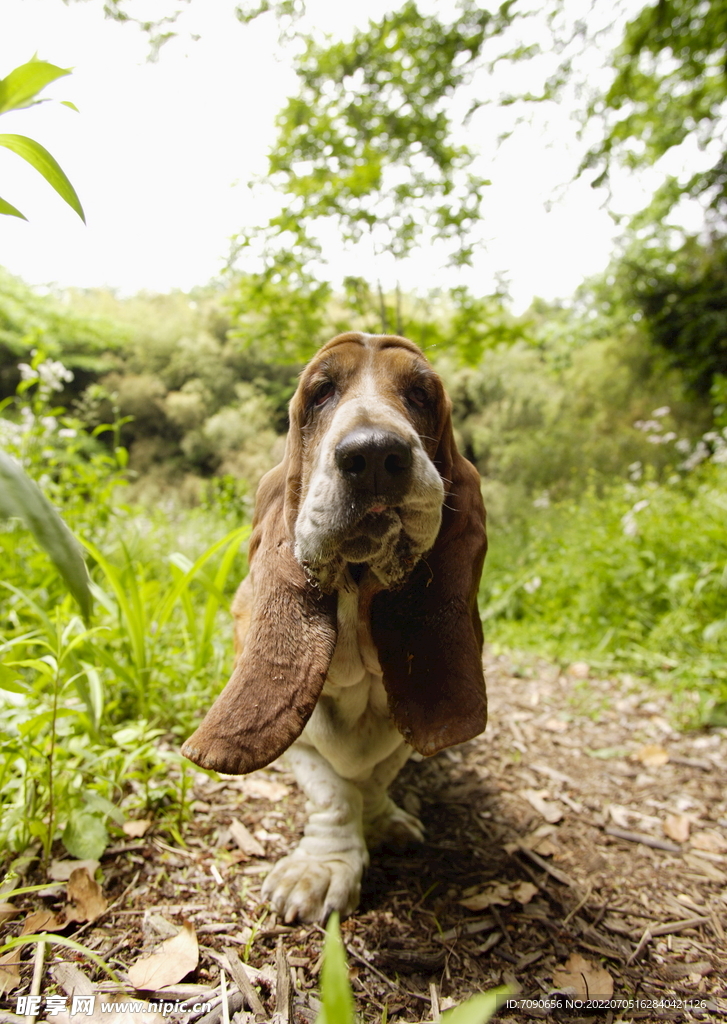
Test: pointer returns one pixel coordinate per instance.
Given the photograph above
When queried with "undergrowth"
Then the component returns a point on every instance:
(93, 712)
(633, 578)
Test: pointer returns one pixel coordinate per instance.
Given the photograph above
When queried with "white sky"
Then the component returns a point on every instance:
(161, 154)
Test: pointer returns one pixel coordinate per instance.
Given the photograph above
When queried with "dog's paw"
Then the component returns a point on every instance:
(394, 827)
(311, 888)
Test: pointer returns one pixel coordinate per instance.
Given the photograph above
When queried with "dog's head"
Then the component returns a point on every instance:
(372, 490)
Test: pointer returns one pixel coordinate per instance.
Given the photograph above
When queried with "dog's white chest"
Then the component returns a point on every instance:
(350, 725)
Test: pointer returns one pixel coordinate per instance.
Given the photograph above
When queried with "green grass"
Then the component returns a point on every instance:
(633, 579)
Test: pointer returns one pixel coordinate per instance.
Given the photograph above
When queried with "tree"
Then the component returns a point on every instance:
(670, 83)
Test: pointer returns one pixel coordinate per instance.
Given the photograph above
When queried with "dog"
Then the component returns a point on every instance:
(357, 634)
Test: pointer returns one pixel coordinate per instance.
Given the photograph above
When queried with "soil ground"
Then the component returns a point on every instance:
(581, 788)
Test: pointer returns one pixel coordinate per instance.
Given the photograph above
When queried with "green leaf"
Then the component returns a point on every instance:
(22, 498)
(478, 1009)
(39, 157)
(10, 210)
(336, 997)
(67, 103)
(85, 836)
(23, 84)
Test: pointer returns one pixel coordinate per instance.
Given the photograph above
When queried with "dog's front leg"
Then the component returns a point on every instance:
(324, 872)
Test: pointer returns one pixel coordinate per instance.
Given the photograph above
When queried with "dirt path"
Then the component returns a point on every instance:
(529, 824)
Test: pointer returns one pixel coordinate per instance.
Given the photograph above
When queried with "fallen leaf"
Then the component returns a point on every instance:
(7, 910)
(137, 828)
(85, 895)
(545, 847)
(710, 842)
(61, 870)
(246, 840)
(42, 921)
(524, 892)
(9, 971)
(497, 893)
(75, 983)
(174, 960)
(590, 981)
(555, 725)
(676, 827)
(652, 755)
(264, 789)
(551, 811)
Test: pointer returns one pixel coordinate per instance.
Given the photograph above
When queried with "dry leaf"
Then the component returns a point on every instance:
(652, 755)
(174, 960)
(555, 725)
(7, 910)
(676, 827)
(9, 971)
(137, 828)
(61, 870)
(710, 842)
(43, 921)
(264, 789)
(545, 847)
(590, 981)
(497, 893)
(246, 840)
(74, 982)
(551, 811)
(85, 895)
(524, 892)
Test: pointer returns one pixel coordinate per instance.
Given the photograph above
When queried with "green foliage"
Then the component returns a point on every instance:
(670, 82)
(21, 497)
(68, 693)
(682, 295)
(634, 578)
(368, 140)
(18, 90)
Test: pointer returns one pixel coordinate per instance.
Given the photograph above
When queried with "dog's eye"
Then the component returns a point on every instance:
(323, 393)
(418, 397)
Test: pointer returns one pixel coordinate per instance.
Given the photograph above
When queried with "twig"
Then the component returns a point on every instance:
(581, 903)
(223, 994)
(559, 876)
(238, 972)
(434, 998)
(641, 837)
(283, 992)
(672, 927)
(643, 941)
(37, 977)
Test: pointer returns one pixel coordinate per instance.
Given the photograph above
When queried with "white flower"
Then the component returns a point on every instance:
(27, 372)
(532, 585)
(630, 527)
(663, 410)
(67, 432)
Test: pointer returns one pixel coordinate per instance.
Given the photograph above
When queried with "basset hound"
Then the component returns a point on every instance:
(357, 632)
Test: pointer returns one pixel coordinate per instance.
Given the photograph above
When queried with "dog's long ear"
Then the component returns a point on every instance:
(428, 634)
(280, 672)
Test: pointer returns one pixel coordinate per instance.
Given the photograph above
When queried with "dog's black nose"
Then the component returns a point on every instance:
(375, 461)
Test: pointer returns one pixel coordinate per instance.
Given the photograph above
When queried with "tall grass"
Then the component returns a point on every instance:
(92, 714)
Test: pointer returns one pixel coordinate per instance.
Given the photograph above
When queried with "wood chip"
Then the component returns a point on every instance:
(246, 840)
